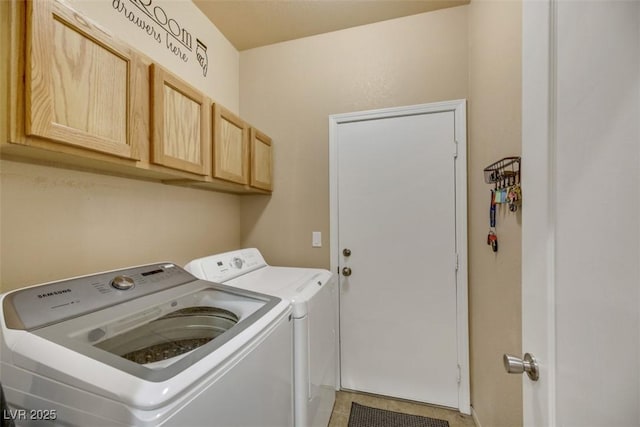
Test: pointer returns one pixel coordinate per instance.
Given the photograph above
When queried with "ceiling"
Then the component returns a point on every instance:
(254, 23)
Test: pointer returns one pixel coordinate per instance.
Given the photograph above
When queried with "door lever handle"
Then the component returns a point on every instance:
(515, 365)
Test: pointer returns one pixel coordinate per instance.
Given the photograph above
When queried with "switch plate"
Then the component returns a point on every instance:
(316, 239)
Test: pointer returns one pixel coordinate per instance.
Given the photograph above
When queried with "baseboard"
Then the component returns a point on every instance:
(474, 415)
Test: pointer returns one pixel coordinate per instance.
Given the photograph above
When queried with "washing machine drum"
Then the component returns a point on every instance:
(171, 335)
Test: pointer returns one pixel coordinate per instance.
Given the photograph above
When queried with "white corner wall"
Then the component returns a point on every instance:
(597, 213)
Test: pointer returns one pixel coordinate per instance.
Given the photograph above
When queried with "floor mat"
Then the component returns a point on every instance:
(364, 416)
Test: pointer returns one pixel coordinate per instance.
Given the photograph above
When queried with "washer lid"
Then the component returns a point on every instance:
(154, 331)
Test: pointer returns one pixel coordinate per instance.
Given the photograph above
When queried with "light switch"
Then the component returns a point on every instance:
(316, 239)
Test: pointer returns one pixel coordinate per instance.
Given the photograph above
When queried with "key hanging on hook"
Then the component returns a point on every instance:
(492, 238)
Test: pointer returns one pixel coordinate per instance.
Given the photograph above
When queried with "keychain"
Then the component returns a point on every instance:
(492, 238)
(514, 197)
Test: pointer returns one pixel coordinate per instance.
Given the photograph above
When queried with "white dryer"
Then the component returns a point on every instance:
(313, 295)
(146, 346)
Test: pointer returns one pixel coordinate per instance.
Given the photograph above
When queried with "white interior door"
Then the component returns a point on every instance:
(580, 223)
(396, 194)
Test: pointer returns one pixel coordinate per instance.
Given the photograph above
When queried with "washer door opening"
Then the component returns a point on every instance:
(171, 335)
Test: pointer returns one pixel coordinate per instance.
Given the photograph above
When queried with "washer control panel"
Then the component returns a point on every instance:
(49, 303)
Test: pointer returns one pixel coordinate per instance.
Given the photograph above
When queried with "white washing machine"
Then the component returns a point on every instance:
(313, 295)
(146, 346)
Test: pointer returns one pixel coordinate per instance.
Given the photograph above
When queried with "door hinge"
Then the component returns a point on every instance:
(456, 262)
(455, 145)
(459, 378)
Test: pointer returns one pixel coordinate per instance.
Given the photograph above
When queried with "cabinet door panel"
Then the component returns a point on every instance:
(185, 130)
(261, 161)
(180, 124)
(78, 82)
(231, 146)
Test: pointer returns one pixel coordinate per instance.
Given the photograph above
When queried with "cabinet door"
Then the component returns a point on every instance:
(79, 82)
(230, 146)
(261, 161)
(181, 124)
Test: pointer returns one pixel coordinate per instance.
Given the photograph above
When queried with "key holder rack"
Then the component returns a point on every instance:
(504, 173)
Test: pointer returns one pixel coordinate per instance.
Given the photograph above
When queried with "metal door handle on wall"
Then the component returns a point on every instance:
(515, 365)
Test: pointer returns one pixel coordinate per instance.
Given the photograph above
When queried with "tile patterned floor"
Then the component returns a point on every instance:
(342, 407)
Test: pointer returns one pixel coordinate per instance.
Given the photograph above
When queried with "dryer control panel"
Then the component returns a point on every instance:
(45, 304)
(226, 266)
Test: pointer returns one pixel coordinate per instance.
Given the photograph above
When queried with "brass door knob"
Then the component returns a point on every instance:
(346, 271)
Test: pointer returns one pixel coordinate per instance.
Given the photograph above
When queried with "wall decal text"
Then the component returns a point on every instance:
(154, 21)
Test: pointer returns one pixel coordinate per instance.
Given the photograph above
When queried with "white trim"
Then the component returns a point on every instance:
(551, 209)
(459, 108)
(474, 415)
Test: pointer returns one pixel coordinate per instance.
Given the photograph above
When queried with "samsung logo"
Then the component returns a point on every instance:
(52, 293)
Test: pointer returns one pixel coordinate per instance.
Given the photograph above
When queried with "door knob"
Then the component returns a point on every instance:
(346, 252)
(515, 365)
(346, 271)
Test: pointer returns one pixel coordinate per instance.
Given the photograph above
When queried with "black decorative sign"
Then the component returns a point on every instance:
(156, 23)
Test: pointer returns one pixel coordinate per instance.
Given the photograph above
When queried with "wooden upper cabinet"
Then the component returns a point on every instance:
(261, 161)
(180, 117)
(230, 146)
(78, 82)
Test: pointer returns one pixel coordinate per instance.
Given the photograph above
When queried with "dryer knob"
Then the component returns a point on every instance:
(124, 283)
(237, 262)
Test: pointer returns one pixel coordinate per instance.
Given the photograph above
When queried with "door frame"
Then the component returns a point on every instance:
(459, 259)
(539, 98)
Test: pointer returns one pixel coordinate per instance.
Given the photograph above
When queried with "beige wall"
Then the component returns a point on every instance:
(473, 52)
(56, 223)
(290, 89)
(4, 70)
(495, 284)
